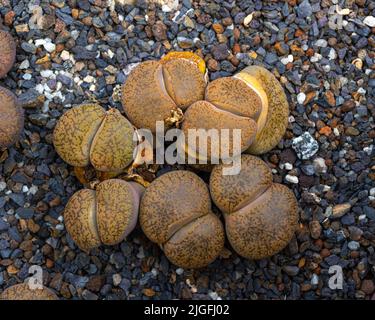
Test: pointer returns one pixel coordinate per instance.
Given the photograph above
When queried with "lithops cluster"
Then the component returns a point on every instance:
(105, 215)
(176, 213)
(260, 216)
(252, 101)
(23, 291)
(87, 134)
(11, 118)
(7, 52)
(155, 89)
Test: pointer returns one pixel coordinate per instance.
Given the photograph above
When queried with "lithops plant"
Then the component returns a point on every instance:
(273, 120)
(190, 56)
(23, 291)
(87, 134)
(230, 104)
(105, 215)
(175, 213)
(157, 90)
(11, 118)
(7, 52)
(260, 216)
(252, 101)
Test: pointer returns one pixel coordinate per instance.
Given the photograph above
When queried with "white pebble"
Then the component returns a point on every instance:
(336, 132)
(27, 76)
(327, 68)
(301, 97)
(179, 271)
(89, 79)
(40, 88)
(60, 227)
(372, 191)
(45, 107)
(25, 189)
(65, 55)
(47, 88)
(154, 272)
(46, 73)
(343, 12)
(328, 212)
(353, 245)
(172, 6)
(110, 54)
(291, 179)
(361, 91)
(116, 278)
(314, 280)
(316, 57)
(24, 64)
(40, 42)
(332, 54)
(214, 296)
(287, 59)
(368, 149)
(50, 47)
(321, 43)
(48, 95)
(288, 166)
(369, 21)
(320, 165)
(3, 185)
(248, 19)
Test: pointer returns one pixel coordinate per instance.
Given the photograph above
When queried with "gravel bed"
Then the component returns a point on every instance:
(71, 51)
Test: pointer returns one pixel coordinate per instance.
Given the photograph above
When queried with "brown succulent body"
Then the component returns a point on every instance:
(23, 291)
(11, 118)
(154, 90)
(7, 53)
(87, 134)
(204, 115)
(175, 213)
(230, 104)
(253, 94)
(260, 216)
(278, 111)
(235, 96)
(103, 216)
(184, 82)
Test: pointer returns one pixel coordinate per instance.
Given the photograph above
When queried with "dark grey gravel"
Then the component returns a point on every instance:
(75, 51)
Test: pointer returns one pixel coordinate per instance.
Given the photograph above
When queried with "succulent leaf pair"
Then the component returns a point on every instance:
(105, 215)
(88, 134)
